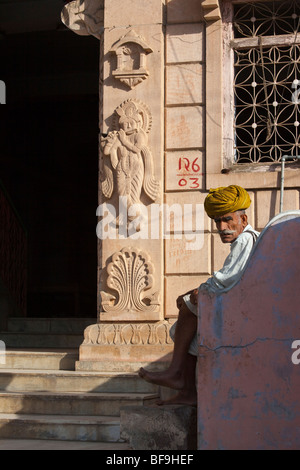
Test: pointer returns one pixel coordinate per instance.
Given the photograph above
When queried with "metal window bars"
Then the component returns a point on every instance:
(267, 81)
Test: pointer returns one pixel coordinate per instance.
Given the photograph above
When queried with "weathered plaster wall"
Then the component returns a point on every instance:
(248, 385)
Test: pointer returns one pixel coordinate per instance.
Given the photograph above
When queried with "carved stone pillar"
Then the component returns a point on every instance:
(131, 328)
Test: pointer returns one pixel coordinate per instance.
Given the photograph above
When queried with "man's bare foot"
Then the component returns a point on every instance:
(184, 397)
(165, 379)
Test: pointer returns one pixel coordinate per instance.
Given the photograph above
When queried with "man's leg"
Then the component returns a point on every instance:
(188, 395)
(179, 374)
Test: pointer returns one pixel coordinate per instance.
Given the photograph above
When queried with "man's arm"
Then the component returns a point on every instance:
(233, 265)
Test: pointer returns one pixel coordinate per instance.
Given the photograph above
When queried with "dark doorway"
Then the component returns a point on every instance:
(49, 163)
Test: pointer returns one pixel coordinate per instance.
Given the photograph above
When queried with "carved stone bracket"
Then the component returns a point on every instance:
(130, 277)
(84, 17)
(131, 51)
(211, 10)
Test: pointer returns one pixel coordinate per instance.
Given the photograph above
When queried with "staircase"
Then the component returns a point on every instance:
(42, 396)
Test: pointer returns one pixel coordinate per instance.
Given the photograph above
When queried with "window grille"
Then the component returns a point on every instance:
(266, 48)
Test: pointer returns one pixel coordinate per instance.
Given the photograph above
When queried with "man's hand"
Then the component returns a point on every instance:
(180, 301)
(194, 297)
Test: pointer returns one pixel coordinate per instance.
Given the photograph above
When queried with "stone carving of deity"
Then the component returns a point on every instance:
(129, 168)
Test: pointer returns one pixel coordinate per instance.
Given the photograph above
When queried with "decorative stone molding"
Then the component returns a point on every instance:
(130, 275)
(131, 51)
(211, 10)
(84, 17)
(129, 168)
(128, 334)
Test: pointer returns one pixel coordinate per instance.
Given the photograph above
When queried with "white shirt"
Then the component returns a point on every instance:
(235, 262)
(233, 266)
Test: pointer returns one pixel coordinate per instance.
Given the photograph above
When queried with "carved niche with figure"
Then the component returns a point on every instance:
(131, 51)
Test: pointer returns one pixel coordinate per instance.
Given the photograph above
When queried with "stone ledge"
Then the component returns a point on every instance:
(119, 366)
(172, 427)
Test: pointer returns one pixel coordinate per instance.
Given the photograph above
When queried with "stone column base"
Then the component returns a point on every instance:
(125, 347)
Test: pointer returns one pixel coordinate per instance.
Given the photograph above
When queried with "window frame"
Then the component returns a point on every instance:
(232, 45)
(219, 114)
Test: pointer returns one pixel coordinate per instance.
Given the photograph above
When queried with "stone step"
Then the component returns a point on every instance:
(79, 404)
(49, 325)
(42, 359)
(65, 428)
(120, 366)
(37, 444)
(19, 380)
(41, 341)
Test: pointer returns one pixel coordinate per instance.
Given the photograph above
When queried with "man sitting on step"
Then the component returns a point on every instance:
(226, 205)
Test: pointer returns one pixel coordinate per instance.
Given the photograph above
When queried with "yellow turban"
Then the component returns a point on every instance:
(223, 200)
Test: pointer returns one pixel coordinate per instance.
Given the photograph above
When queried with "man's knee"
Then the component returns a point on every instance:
(184, 310)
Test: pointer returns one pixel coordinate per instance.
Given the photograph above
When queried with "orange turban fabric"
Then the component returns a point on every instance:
(223, 200)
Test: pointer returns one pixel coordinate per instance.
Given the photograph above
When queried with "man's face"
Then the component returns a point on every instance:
(230, 226)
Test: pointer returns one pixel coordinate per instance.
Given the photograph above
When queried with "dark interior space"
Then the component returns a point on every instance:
(49, 156)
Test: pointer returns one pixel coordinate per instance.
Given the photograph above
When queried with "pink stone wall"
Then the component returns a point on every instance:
(248, 385)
